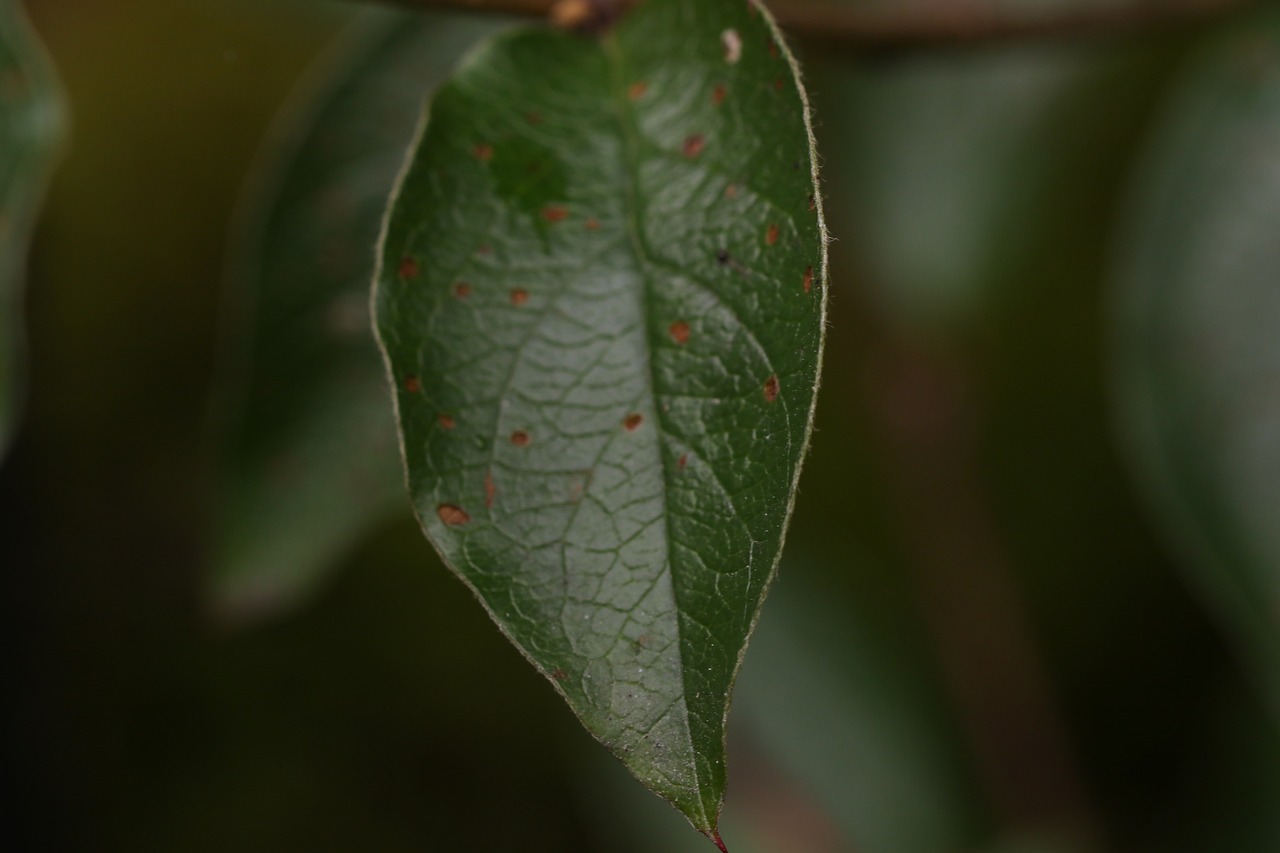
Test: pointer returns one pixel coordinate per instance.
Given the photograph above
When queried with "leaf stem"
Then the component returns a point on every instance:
(927, 23)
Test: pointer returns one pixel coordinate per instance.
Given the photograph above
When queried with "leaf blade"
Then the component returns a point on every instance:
(1195, 344)
(313, 429)
(604, 403)
(32, 118)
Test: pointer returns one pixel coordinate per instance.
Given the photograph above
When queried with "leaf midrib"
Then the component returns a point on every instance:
(631, 144)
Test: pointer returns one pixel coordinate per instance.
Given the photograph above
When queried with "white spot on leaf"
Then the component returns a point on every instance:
(732, 46)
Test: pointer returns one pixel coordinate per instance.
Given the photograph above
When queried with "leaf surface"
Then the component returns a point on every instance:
(311, 462)
(601, 297)
(1197, 343)
(31, 122)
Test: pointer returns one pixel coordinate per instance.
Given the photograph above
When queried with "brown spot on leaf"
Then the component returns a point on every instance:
(633, 421)
(693, 145)
(453, 515)
(731, 191)
(412, 385)
(483, 151)
(719, 93)
(446, 421)
(679, 332)
(520, 438)
(637, 90)
(555, 213)
(490, 489)
(771, 389)
(484, 249)
(593, 224)
(813, 202)
(682, 462)
(722, 256)
(771, 236)
(408, 268)
(808, 280)
(462, 290)
(779, 84)
(773, 48)
(519, 297)
(533, 117)
(559, 675)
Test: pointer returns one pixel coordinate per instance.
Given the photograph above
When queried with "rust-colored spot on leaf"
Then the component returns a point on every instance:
(555, 213)
(771, 236)
(533, 117)
(490, 489)
(559, 675)
(412, 384)
(484, 250)
(779, 84)
(693, 145)
(408, 268)
(519, 297)
(773, 48)
(682, 462)
(637, 90)
(731, 191)
(592, 224)
(453, 515)
(446, 421)
(679, 332)
(520, 438)
(813, 202)
(633, 421)
(462, 290)
(482, 151)
(808, 280)
(719, 93)
(771, 389)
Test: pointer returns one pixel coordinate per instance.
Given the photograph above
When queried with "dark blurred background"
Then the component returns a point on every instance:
(977, 641)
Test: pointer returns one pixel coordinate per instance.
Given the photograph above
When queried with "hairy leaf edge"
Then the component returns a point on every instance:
(710, 829)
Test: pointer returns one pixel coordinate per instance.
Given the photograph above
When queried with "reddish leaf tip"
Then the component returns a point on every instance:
(715, 836)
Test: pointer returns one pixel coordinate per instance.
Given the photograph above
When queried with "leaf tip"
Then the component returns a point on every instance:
(719, 842)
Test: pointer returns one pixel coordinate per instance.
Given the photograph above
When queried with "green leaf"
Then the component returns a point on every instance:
(601, 300)
(942, 164)
(1197, 343)
(312, 463)
(855, 723)
(31, 123)
(853, 739)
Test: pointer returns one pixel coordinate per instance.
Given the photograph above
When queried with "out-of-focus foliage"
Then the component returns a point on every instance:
(388, 715)
(939, 171)
(312, 463)
(1198, 343)
(31, 121)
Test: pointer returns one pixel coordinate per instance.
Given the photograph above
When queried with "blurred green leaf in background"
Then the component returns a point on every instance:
(313, 462)
(1198, 337)
(31, 126)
